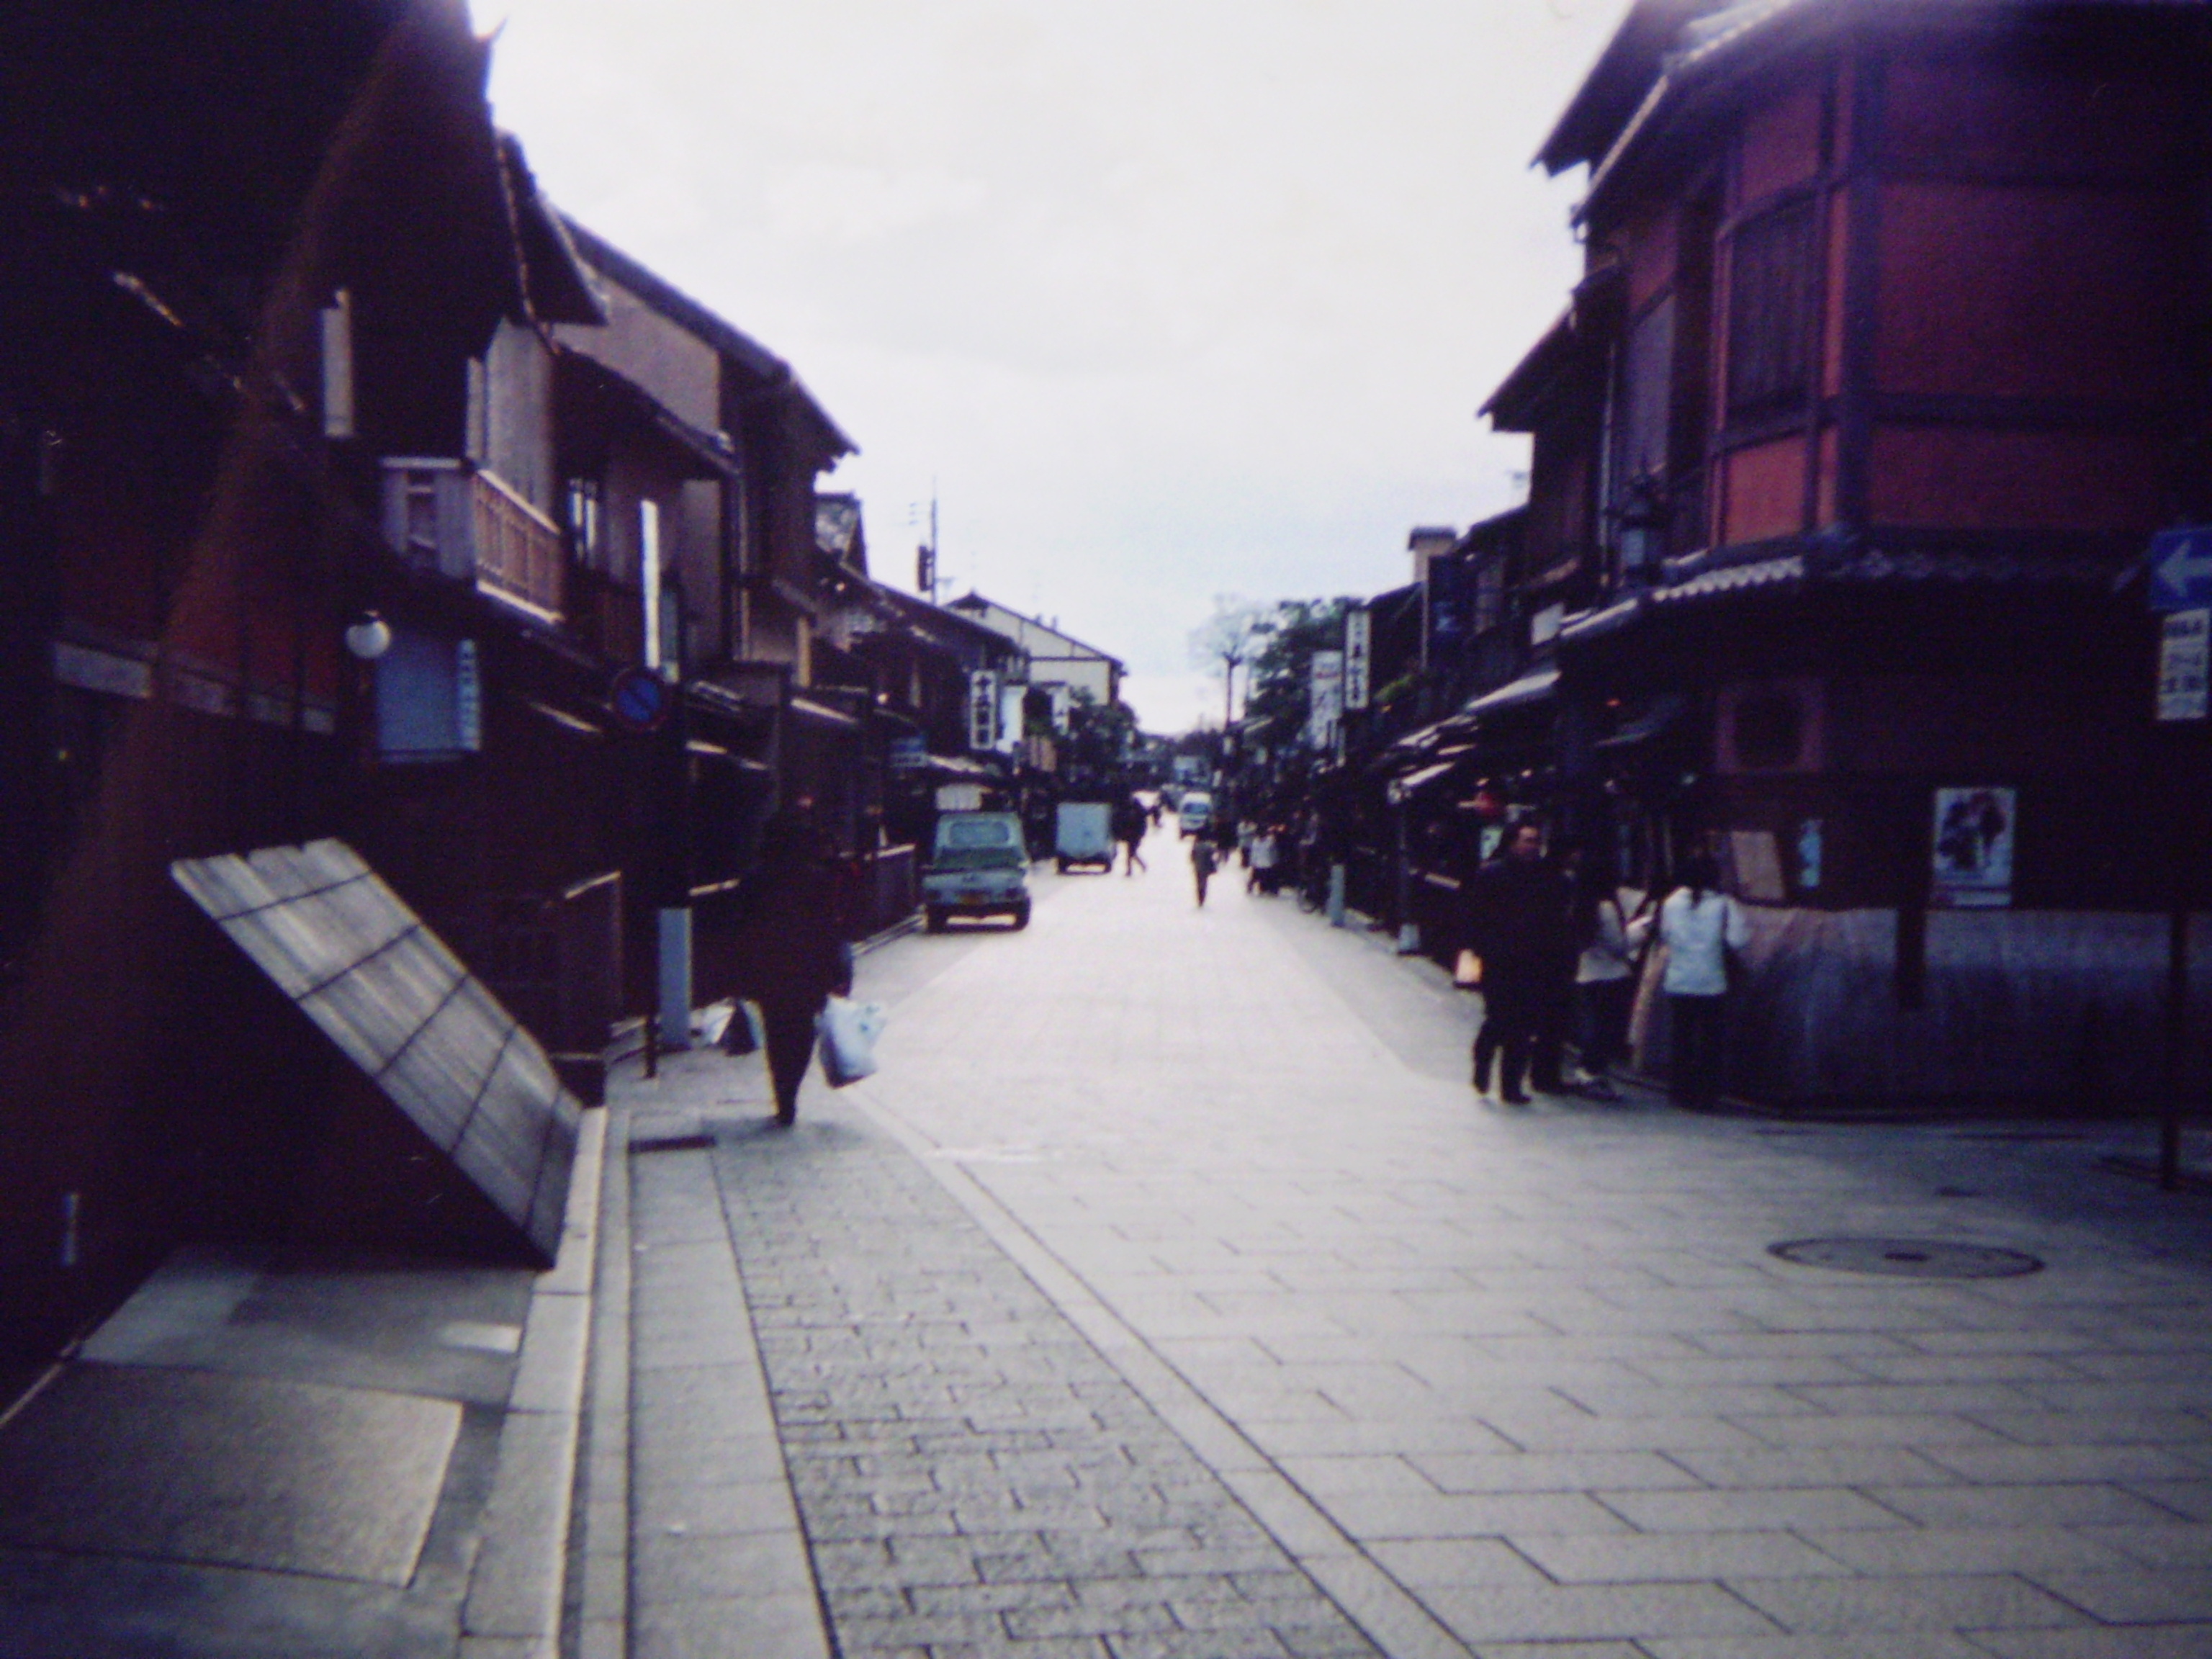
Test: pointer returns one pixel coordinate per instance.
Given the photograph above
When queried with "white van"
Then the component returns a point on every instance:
(1194, 812)
(978, 865)
(1083, 834)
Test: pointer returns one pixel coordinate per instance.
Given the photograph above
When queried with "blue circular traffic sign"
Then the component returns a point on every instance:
(640, 698)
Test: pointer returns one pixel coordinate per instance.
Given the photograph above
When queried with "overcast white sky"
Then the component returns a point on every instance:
(1171, 298)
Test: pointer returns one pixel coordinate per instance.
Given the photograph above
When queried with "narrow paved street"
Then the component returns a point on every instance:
(1169, 1292)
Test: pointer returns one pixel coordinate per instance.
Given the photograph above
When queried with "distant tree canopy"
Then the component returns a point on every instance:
(1281, 696)
(1101, 740)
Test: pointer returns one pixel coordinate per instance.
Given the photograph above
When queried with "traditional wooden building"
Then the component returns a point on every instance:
(230, 297)
(1890, 355)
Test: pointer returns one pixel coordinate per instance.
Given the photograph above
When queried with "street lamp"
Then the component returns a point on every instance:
(368, 636)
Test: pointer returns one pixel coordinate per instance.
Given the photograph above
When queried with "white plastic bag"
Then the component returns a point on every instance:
(848, 1031)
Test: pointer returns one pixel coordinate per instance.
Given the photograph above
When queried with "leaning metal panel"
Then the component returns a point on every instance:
(403, 1008)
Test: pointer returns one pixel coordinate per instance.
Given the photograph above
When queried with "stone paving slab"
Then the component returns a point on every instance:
(972, 1475)
(1536, 1369)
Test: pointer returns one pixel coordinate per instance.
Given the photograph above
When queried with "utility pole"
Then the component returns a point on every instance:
(925, 556)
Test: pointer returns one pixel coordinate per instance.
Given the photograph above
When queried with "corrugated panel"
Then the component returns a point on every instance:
(403, 1009)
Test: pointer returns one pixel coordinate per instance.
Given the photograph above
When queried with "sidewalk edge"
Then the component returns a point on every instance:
(516, 1588)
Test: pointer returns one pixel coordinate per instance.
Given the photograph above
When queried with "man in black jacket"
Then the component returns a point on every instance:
(1517, 922)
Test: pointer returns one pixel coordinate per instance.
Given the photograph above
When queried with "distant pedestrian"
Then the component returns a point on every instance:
(1266, 854)
(1202, 862)
(1555, 995)
(1605, 975)
(791, 955)
(1700, 926)
(1517, 922)
(1129, 822)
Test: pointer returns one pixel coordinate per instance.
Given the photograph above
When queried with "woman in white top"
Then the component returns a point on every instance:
(1605, 976)
(1699, 925)
(1262, 878)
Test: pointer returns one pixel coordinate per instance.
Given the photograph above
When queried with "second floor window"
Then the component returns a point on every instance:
(587, 532)
(1770, 341)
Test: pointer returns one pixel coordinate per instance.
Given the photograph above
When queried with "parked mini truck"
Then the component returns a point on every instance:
(1083, 834)
(978, 867)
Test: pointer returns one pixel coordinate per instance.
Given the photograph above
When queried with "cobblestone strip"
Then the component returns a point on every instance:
(718, 1566)
(975, 1480)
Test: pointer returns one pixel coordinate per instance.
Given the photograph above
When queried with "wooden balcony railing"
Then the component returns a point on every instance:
(520, 555)
(467, 524)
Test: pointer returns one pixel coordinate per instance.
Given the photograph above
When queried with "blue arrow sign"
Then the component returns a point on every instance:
(2180, 567)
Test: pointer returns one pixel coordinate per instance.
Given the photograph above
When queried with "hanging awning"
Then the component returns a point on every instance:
(1527, 691)
(820, 714)
(1666, 709)
(1413, 782)
(960, 766)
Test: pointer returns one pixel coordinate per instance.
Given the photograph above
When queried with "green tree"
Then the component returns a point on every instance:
(1281, 698)
(1101, 740)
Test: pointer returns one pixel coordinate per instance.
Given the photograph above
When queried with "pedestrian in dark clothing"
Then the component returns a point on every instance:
(1555, 995)
(1517, 922)
(1129, 822)
(1202, 862)
(792, 952)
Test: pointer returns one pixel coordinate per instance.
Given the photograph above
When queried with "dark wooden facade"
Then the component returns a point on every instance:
(1891, 355)
(194, 506)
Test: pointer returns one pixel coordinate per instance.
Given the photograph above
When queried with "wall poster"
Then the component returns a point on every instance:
(1973, 847)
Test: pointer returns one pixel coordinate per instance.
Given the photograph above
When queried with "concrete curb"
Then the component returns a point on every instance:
(516, 1588)
(599, 1602)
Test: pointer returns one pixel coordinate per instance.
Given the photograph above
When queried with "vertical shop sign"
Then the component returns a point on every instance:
(2184, 658)
(1358, 658)
(1326, 706)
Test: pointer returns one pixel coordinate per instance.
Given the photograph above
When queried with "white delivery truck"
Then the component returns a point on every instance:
(1083, 833)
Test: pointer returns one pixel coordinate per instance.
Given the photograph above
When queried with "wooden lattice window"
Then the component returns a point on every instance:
(1771, 311)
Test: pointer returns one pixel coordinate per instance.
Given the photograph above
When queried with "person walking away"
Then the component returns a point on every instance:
(1201, 863)
(1517, 924)
(1129, 822)
(791, 951)
(1605, 975)
(1699, 925)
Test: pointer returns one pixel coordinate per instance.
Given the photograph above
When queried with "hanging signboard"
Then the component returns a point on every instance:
(1449, 590)
(1358, 657)
(983, 709)
(1974, 842)
(2184, 659)
(1326, 705)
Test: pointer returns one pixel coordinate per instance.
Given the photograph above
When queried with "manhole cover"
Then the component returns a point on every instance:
(1906, 1258)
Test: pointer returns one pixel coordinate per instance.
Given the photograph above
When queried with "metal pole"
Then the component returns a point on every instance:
(2177, 1038)
(1409, 931)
